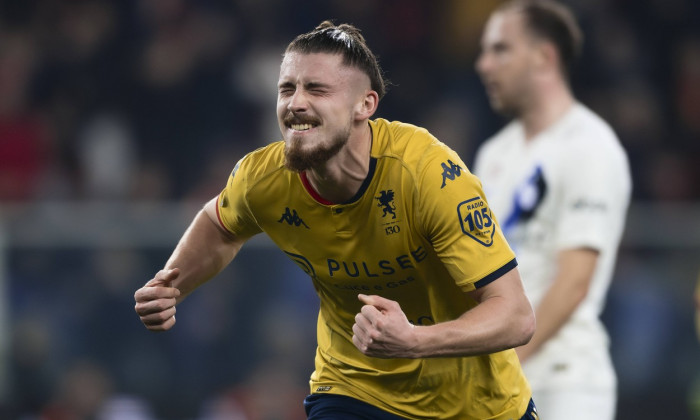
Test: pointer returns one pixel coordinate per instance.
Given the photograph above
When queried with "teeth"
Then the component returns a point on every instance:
(301, 127)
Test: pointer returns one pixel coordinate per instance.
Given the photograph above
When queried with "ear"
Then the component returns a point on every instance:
(368, 106)
(547, 56)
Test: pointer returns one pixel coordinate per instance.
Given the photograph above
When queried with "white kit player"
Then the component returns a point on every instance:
(559, 184)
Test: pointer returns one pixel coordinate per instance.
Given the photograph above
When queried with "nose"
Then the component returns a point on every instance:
(298, 101)
(483, 63)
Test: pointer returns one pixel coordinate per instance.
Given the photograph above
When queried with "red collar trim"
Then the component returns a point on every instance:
(312, 191)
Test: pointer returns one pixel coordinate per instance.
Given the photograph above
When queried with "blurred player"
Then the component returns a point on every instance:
(421, 300)
(559, 183)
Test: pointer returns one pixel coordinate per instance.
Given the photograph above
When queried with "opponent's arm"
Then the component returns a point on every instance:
(575, 269)
(203, 251)
(502, 319)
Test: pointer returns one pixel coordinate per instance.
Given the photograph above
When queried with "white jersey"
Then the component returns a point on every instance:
(568, 187)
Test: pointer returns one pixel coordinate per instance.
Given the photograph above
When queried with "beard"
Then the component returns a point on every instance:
(297, 159)
(504, 107)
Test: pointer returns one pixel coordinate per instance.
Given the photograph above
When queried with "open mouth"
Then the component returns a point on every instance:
(301, 123)
(301, 127)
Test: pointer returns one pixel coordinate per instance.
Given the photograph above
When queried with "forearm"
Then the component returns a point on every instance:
(502, 319)
(203, 251)
(489, 327)
(552, 313)
(570, 286)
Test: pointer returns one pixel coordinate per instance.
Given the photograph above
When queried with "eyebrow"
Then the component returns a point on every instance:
(316, 85)
(307, 85)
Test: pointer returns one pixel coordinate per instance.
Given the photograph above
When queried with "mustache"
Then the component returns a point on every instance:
(291, 118)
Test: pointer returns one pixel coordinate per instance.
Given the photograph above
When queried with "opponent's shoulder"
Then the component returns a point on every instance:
(584, 125)
(588, 134)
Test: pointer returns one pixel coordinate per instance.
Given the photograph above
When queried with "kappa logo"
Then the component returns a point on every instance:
(292, 218)
(450, 171)
(386, 201)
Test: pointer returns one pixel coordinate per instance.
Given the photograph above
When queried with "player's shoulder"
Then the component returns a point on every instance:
(262, 161)
(408, 143)
(396, 137)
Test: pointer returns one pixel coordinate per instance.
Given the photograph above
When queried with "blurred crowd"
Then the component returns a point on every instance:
(155, 100)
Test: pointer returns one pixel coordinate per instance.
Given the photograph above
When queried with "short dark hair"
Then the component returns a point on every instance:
(344, 39)
(555, 23)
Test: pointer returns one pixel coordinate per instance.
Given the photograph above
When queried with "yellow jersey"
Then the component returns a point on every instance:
(420, 232)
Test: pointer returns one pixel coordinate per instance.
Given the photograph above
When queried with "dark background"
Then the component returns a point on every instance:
(118, 119)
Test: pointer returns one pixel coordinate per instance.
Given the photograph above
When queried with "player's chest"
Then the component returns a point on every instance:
(373, 239)
(380, 216)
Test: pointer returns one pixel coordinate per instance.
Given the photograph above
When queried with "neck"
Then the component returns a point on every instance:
(341, 177)
(549, 105)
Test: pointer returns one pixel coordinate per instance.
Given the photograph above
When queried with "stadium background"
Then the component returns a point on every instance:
(119, 118)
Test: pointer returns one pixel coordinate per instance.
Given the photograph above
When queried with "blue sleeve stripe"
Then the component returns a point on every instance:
(496, 274)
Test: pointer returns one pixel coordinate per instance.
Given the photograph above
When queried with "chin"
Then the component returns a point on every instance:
(503, 109)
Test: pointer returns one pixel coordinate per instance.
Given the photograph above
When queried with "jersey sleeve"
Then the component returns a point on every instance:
(232, 207)
(596, 192)
(457, 220)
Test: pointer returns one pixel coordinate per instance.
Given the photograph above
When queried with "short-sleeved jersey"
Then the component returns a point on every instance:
(568, 187)
(420, 232)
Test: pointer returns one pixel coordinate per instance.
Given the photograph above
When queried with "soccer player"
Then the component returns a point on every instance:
(421, 302)
(558, 182)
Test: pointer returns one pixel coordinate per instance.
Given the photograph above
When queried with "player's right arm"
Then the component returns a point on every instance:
(203, 251)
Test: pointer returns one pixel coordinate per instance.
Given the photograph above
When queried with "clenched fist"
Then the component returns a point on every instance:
(155, 301)
(382, 330)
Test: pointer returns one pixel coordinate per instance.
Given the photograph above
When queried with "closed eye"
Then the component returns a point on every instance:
(286, 89)
(317, 88)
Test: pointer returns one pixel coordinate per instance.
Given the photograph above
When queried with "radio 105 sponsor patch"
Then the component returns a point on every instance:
(476, 220)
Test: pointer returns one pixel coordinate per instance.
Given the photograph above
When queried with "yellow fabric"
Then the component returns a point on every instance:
(420, 232)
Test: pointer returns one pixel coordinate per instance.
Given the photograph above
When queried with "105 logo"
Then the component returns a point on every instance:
(476, 220)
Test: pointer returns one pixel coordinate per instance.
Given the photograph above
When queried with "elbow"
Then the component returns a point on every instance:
(528, 329)
(526, 326)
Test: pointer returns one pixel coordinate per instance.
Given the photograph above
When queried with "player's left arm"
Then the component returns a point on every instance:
(502, 319)
(575, 268)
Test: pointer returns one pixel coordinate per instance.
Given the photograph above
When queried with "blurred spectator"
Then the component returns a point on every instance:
(272, 392)
(125, 407)
(24, 142)
(107, 155)
(80, 394)
(155, 100)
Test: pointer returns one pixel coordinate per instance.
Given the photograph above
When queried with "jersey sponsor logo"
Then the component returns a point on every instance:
(590, 205)
(302, 262)
(324, 388)
(382, 267)
(367, 275)
(450, 171)
(292, 218)
(476, 220)
(386, 202)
